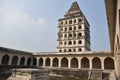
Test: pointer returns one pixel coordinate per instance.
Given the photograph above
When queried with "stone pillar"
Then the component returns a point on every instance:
(44, 62)
(79, 63)
(25, 61)
(0, 59)
(117, 66)
(37, 61)
(69, 62)
(51, 62)
(90, 63)
(102, 63)
(18, 60)
(59, 63)
(10, 60)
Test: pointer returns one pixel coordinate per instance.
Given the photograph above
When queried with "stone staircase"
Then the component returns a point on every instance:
(96, 75)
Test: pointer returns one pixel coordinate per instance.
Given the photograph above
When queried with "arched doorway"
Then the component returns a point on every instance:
(22, 61)
(5, 60)
(40, 62)
(109, 63)
(14, 60)
(74, 63)
(64, 62)
(96, 63)
(29, 61)
(55, 62)
(34, 61)
(47, 62)
(85, 63)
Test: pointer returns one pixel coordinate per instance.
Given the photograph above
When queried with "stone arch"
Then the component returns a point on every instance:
(5, 60)
(70, 28)
(64, 62)
(22, 61)
(109, 63)
(79, 42)
(47, 62)
(34, 61)
(14, 60)
(96, 63)
(40, 62)
(79, 49)
(70, 42)
(55, 62)
(85, 62)
(29, 61)
(74, 63)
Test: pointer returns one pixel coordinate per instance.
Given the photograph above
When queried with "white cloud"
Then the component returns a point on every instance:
(13, 18)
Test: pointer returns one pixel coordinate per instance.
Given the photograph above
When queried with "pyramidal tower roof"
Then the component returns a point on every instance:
(74, 7)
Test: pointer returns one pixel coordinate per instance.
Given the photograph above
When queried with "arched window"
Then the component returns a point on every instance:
(64, 50)
(62, 23)
(74, 50)
(79, 20)
(65, 43)
(61, 43)
(85, 62)
(29, 61)
(74, 42)
(74, 27)
(5, 59)
(70, 28)
(60, 50)
(74, 20)
(14, 60)
(47, 62)
(64, 62)
(96, 62)
(34, 62)
(109, 63)
(79, 42)
(40, 62)
(80, 34)
(61, 29)
(70, 21)
(79, 49)
(65, 29)
(22, 61)
(74, 63)
(70, 42)
(55, 62)
(65, 36)
(79, 27)
(69, 50)
(70, 35)
(65, 22)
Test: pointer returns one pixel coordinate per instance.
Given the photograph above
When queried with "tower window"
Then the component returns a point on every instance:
(69, 50)
(61, 29)
(65, 22)
(60, 42)
(64, 50)
(74, 42)
(65, 35)
(74, 28)
(79, 42)
(74, 34)
(61, 23)
(70, 42)
(65, 43)
(79, 27)
(61, 36)
(70, 22)
(70, 28)
(70, 35)
(79, 49)
(80, 34)
(74, 50)
(60, 50)
(65, 29)
(80, 20)
(75, 21)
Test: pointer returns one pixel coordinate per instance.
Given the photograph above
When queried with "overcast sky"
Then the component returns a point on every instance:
(31, 25)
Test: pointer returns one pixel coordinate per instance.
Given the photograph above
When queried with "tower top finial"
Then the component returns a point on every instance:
(74, 7)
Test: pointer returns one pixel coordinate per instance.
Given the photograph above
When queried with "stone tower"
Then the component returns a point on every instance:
(73, 31)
